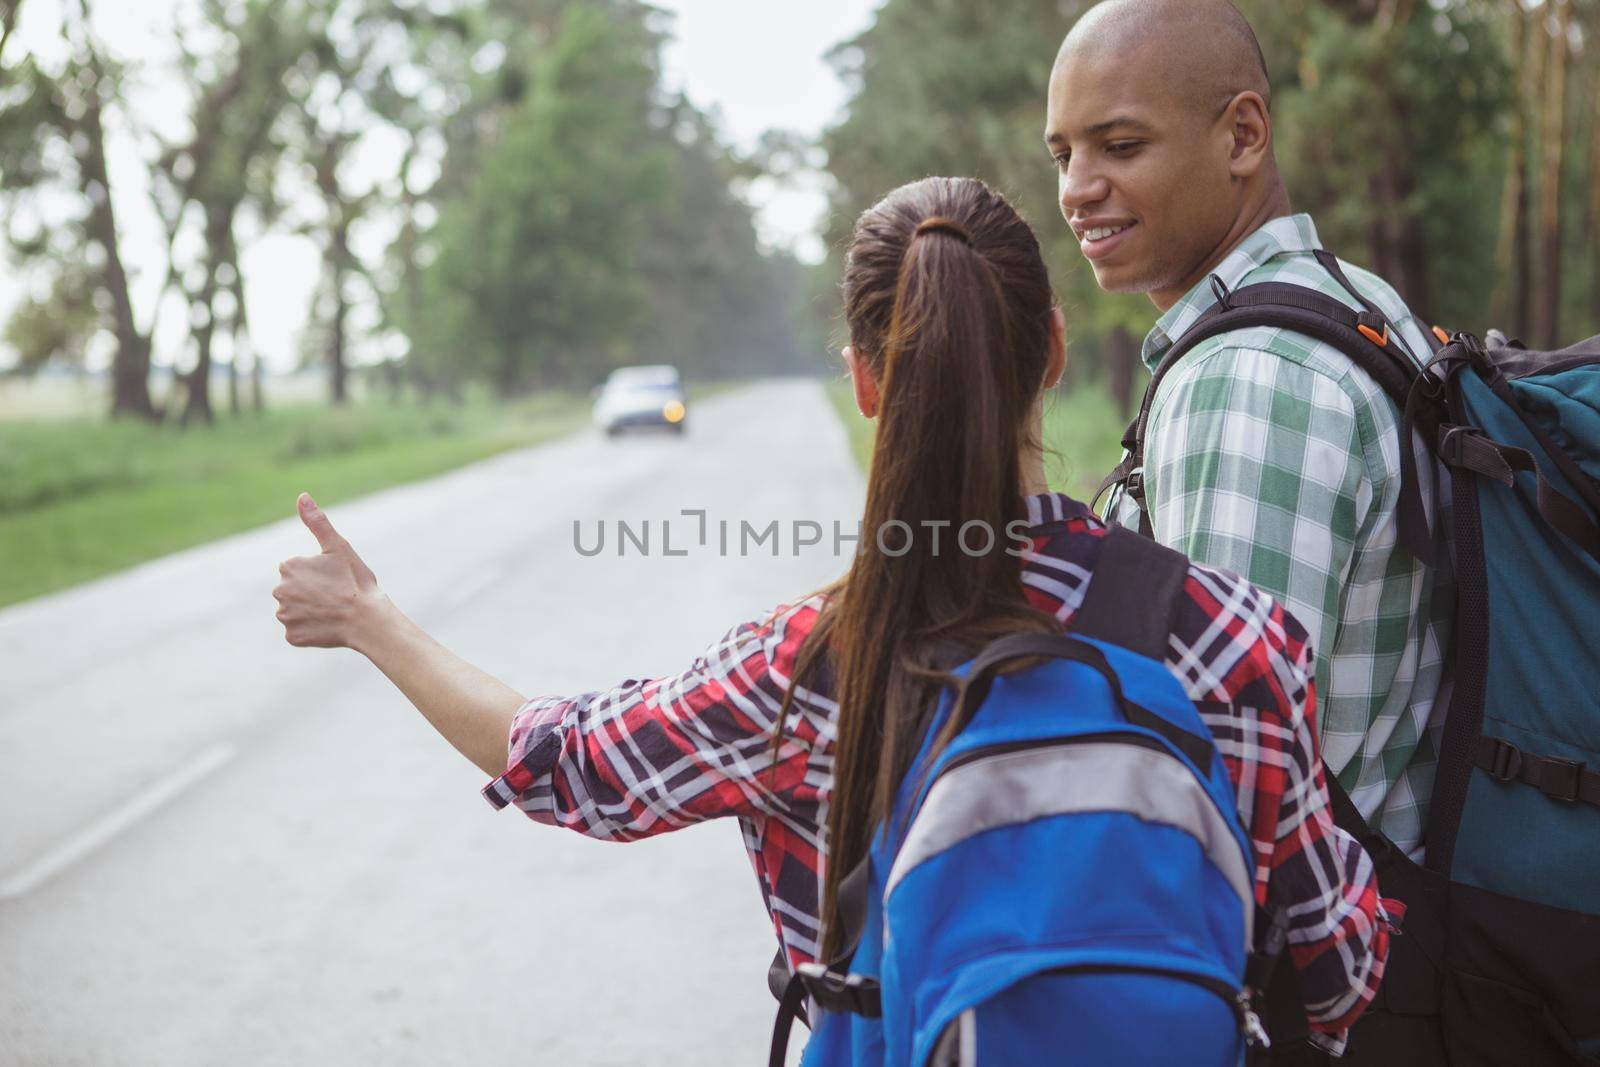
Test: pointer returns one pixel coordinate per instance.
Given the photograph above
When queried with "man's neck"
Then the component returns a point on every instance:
(1273, 206)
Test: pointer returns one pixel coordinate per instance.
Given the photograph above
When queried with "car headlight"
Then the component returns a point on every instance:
(673, 411)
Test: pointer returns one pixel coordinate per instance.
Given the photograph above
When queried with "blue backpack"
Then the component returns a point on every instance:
(1067, 881)
(1501, 942)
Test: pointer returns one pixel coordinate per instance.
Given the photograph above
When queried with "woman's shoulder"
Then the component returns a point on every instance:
(783, 630)
(1233, 643)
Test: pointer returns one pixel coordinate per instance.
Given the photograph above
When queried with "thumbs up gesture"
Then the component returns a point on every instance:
(323, 599)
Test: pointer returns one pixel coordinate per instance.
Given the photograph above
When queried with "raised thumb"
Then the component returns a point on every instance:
(321, 527)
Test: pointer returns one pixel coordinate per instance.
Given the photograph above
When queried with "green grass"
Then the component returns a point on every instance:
(82, 497)
(1082, 431)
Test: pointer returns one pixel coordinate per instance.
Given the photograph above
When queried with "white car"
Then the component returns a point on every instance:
(641, 396)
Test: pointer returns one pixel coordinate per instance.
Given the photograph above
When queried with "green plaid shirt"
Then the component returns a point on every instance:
(1269, 454)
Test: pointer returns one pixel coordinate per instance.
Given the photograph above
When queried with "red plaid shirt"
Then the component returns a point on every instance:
(650, 756)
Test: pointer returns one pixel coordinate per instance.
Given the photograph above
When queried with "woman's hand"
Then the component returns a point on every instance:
(324, 600)
(333, 601)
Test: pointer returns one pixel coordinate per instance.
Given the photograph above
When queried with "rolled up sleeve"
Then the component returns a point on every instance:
(648, 756)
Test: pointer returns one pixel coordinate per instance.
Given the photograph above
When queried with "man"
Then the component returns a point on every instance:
(1268, 453)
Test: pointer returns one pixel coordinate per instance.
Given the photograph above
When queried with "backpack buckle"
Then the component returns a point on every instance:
(1255, 1034)
(1373, 328)
(1559, 778)
(1450, 442)
(853, 993)
(1134, 486)
(1506, 763)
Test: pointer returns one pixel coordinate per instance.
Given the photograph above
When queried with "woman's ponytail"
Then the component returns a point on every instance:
(948, 304)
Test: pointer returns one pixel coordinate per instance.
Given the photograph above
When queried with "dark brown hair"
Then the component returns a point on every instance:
(948, 303)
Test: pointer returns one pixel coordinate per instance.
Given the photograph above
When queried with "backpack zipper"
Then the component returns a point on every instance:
(1003, 747)
(1236, 997)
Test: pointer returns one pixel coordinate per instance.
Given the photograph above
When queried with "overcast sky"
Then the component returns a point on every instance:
(757, 65)
(760, 64)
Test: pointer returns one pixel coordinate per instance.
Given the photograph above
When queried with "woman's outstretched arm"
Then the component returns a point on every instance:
(332, 600)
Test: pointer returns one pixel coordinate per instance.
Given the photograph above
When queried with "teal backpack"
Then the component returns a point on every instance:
(1501, 939)
(1515, 823)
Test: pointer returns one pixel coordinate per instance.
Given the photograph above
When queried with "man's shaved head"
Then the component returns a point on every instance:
(1159, 125)
(1205, 49)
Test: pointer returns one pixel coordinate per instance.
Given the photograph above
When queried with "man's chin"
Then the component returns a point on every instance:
(1119, 279)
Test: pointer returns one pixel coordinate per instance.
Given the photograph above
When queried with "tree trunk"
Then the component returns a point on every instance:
(130, 365)
(1399, 245)
(197, 405)
(507, 378)
(219, 226)
(1121, 358)
(8, 22)
(336, 356)
(236, 333)
(1530, 86)
(1554, 136)
(1509, 295)
(394, 377)
(242, 342)
(336, 350)
(336, 341)
(233, 363)
(1594, 206)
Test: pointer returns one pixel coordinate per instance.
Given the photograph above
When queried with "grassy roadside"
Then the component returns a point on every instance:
(80, 498)
(1081, 433)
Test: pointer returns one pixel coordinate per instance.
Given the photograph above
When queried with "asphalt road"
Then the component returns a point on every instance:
(215, 848)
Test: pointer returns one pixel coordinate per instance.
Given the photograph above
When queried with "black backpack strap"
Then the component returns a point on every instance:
(830, 986)
(1295, 308)
(1470, 449)
(1133, 594)
(778, 977)
(853, 919)
(791, 1006)
(980, 677)
(1364, 336)
(1566, 780)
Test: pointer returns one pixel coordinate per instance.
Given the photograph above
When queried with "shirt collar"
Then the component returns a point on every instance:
(1281, 236)
(1047, 508)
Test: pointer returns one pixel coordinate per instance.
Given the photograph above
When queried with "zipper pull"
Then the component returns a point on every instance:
(1255, 1035)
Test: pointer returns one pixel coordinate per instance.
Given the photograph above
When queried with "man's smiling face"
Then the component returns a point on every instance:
(1143, 166)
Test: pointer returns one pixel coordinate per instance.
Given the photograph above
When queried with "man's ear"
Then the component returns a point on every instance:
(863, 381)
(1057, 365)
(1250, 127)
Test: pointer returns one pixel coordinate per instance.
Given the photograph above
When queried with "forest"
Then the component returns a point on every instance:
(1451, 145)
(555, 212)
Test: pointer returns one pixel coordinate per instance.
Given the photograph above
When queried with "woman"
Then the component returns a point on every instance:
(954, 339)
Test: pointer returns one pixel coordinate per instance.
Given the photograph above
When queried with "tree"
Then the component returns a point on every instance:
(716, 305)
(1388, 117)
(1594, 187)
(56, 326)
(1389, 133)
(437, 107)
(229, 160)
(1512, 284)
(354, 42)
(535, 276)
(1553, 134)
(946, 87)
(8, 23)
(53, 134)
